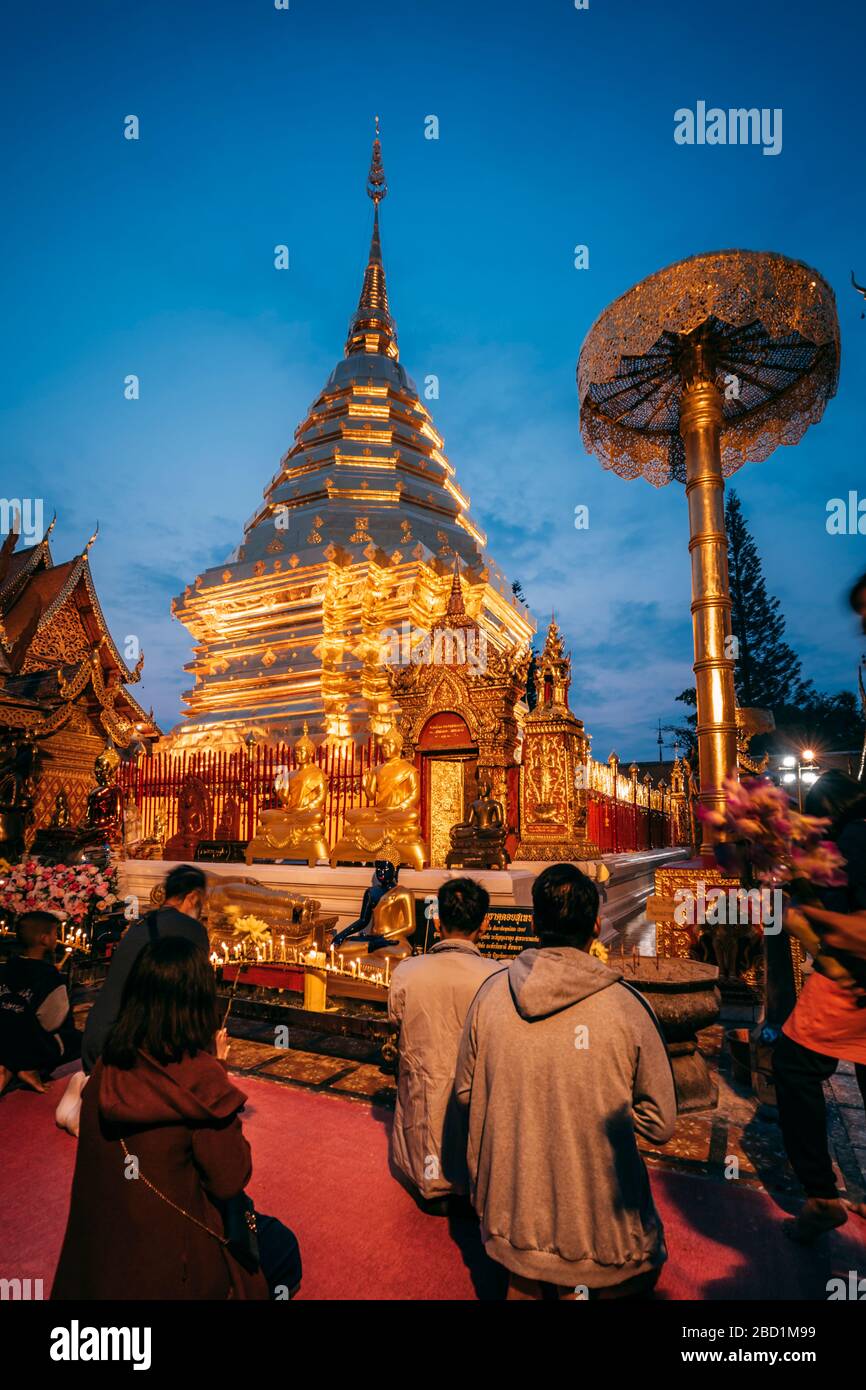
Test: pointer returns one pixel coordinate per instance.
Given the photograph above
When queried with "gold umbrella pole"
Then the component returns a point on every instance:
(700, 425)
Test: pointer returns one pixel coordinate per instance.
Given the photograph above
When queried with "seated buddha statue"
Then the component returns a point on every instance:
(389, 828)
(103, 816)
(479, 841)
(60, 815)
(296, 828)
(387, 919)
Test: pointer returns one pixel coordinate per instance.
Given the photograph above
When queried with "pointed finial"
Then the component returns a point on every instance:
(51, 525)
(377, 188)
(92, 539)
(372, 328)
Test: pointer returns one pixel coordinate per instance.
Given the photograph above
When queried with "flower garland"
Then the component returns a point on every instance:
(772, 841)
(70, 891)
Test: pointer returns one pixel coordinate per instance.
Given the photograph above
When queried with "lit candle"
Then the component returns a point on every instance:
(332, 955)
(340, 958)
(225, 951)
(387, 969)
(283, 946)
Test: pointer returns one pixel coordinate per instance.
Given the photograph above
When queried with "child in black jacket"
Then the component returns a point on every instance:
(37, 1033)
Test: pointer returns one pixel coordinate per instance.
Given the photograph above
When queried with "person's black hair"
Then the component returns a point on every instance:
(183, 879)
(462, 905)
(859, 587)
(32, 926)
(837, 795)
(169, 1006)
(564, 906)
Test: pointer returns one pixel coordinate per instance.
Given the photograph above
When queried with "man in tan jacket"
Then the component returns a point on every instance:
(429, 999)
(561, 1068)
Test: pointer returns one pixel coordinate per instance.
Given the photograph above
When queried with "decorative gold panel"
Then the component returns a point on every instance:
(445, 805)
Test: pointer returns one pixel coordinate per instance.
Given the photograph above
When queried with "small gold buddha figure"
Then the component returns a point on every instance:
(103, 817)
(390, 827)
(479, 841)
(60, 814)
(296, 828)
(387, 919)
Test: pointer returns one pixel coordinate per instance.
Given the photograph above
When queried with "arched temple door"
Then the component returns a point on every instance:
(448, 758)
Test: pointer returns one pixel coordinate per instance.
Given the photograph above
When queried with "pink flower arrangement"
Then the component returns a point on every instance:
(778, 843)
(70, 891)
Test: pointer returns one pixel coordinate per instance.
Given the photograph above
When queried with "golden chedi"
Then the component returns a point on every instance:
(296, 828)
(390, 827)
(355, 535)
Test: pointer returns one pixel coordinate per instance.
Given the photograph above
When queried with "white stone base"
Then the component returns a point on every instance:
(340, 891)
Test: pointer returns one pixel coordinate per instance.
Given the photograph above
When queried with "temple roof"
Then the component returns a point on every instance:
(54, 640)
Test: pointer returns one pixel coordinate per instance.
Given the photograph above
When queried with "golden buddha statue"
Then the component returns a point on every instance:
(390, 827)
(60, 815)
(296, 828)
(296, 919)
(387, 920)
(479, 841)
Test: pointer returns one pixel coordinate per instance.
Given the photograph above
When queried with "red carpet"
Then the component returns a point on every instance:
(321, 1165)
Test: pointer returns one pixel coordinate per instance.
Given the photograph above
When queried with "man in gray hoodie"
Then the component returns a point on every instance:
(561, 1067)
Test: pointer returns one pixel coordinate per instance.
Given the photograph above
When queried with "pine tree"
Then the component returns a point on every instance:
(767, 671)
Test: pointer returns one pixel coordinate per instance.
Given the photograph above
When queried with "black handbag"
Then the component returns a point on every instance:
(239, 1219)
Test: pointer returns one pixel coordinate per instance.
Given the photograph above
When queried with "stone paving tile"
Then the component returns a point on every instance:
(367, 1081)
(845, 1089)
(854, 1121)
(307, 1067)
(245, 1054)
(691, 1140)
(332, 1045)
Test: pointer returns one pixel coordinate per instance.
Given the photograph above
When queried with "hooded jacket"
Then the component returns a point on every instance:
(561, 1067)
(429, 998)
(181, 1125)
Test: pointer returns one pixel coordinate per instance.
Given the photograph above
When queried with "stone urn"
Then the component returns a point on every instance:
(684, 997)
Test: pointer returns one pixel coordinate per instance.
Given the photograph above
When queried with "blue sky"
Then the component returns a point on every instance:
(556, 128)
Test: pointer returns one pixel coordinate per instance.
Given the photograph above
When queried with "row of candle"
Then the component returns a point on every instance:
(334, 962)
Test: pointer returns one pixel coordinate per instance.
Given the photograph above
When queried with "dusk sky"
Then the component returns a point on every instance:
(556, 128)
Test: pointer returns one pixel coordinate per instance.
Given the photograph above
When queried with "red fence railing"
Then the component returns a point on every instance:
(219, 796)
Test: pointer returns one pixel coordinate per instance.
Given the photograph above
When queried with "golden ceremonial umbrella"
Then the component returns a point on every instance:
(709, 364)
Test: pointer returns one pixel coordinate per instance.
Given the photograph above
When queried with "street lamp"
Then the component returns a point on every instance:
(801, 769)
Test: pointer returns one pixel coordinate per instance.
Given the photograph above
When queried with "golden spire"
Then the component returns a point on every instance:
(455, 615)
(372, 328)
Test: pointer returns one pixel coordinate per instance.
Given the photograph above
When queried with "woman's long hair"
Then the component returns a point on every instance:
(838, 796)
(169, 1006)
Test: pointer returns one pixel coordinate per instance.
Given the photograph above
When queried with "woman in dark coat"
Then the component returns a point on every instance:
(159, 1112)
